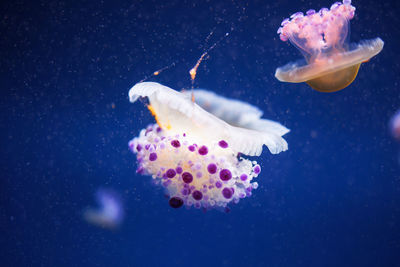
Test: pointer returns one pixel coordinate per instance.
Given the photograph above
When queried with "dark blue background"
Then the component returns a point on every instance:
(333, 199)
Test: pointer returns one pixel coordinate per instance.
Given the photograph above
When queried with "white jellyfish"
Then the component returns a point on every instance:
(194, 149)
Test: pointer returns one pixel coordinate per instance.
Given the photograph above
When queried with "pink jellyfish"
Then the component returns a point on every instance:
(322, 37)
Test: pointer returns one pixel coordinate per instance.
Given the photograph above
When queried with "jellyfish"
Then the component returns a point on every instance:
(330, 64)
(196, 150)
(110, 212)
(394, 126)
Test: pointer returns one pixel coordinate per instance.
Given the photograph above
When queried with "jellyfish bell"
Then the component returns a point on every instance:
(193, 149)
(175, 113)
(235, 112)
(330, 73)
(330, 63)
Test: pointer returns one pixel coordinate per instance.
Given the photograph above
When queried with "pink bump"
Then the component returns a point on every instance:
(153, 156)
(170, 173)
(223, 144)
(257, 169)
(227, 192)
(203, 150)
(175, 143)
(178, 170)
(187, 177)
(225, 175)
(212, 168)
(197, 195)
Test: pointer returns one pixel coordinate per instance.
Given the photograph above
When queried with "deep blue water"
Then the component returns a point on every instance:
(333, 199)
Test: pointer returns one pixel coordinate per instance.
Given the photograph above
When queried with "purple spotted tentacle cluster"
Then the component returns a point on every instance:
(194, 174)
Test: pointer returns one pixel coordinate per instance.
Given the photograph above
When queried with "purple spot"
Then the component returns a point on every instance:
(257, 169)
(176, 202)
(175, 143)
(184, 134)
(185, 191)
(212, 168)
(171, 173)
(158, 129)
(227, 192)
(223, 144)
(178, 170)
(147, 146)
(187, 177)
(203, 150)
(310, 12)
(197, 195)
(191, 148)
(218, 184)
(153, 156)
(243, 177)
(138, 147)
(225, 175)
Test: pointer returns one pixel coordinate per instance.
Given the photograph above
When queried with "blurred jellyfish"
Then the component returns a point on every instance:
(110, 212)
(394, 126)
(194, 152)
(330, 63)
